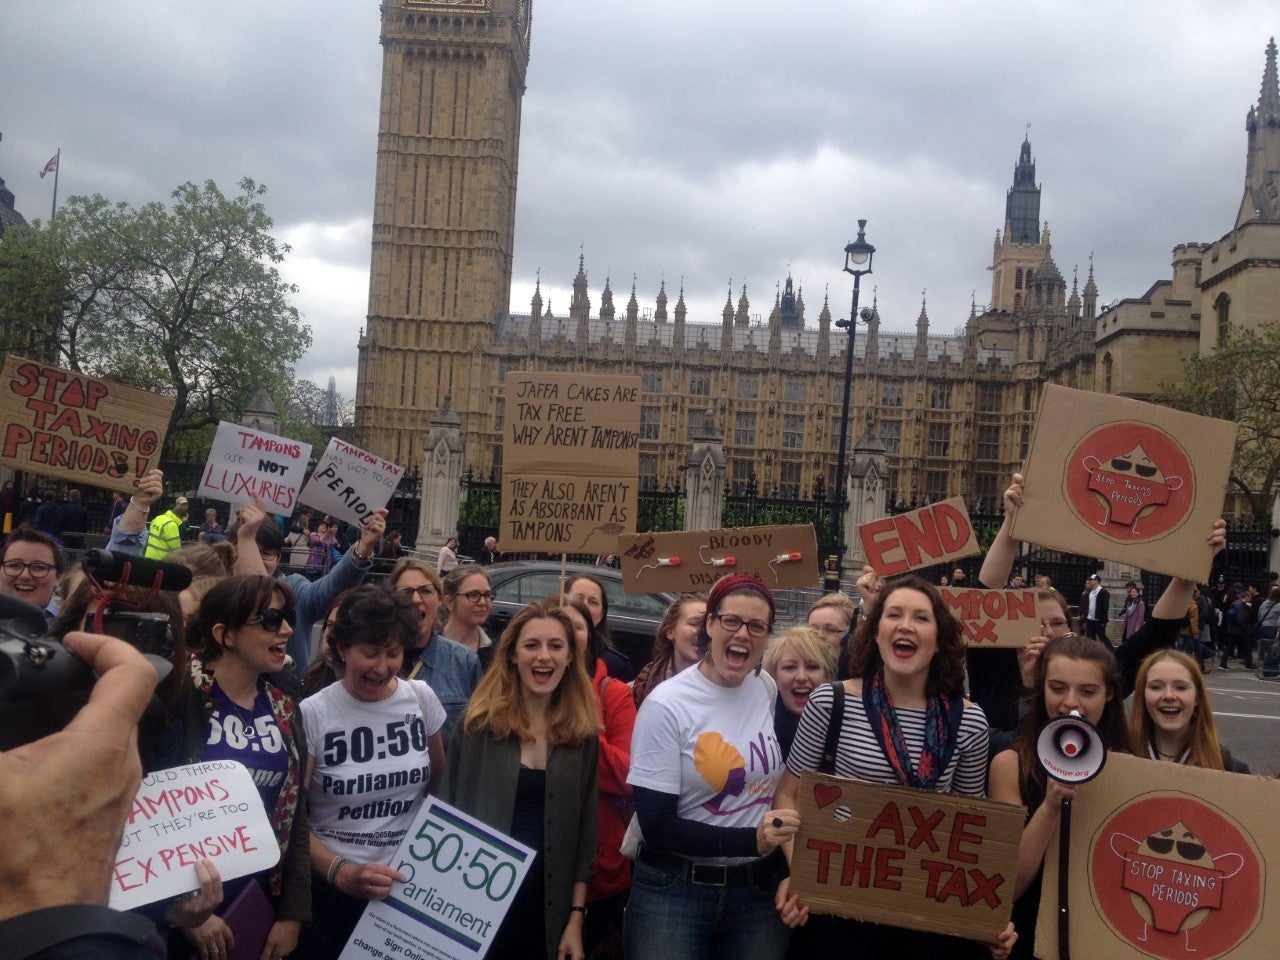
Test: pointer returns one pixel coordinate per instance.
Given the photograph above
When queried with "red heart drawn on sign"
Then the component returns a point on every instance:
(825, 794)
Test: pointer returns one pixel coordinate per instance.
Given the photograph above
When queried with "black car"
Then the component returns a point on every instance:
(633, 617)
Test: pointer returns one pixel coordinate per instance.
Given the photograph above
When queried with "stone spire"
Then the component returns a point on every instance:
(1261, 199)
(971, 332)
(633, 316)
(726, 329)
(677, 336)
(1090, 294)
(606, 301)
(824, 326)
(580, 306)
(660, 314)
(922, 332)
(1073, 301)
(1022, 203)
(535, 316)
(742, 317)
(871, 352)
(535, 305)
(775, 327)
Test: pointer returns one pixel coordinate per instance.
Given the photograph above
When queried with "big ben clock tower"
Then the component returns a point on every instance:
(444, 216)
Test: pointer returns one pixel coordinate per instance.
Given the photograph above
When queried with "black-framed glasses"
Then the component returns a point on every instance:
(478, 596)
(273, 618)
(426, 592)
(756, 629)
(38, 570)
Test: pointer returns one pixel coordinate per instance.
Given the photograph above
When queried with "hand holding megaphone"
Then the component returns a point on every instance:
(1071, 750)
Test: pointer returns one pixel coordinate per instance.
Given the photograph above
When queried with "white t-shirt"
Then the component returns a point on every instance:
(372, 766)
(730, 761)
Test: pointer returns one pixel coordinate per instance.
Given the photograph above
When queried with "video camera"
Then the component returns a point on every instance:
(43, 685)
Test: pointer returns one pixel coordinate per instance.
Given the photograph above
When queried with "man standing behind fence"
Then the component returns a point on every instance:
(165, 532)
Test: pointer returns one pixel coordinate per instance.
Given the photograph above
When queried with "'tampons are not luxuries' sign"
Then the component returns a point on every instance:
(930, 861)
(570, 454)
(245, 463)
(73, 427)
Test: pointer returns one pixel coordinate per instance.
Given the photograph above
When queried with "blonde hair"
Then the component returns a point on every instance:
(405, 564)
(838, 601)
(808, 643)
(1202, 732)
(498, 707)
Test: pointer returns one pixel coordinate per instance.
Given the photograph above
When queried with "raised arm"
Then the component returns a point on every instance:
(998, 563)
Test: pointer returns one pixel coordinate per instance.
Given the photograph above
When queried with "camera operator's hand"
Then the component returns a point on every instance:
(64, 799)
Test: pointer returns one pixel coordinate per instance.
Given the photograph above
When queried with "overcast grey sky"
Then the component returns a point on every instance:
(709, 141)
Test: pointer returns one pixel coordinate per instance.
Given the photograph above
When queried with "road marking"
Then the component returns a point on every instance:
(1247, 693)
(1246, 716)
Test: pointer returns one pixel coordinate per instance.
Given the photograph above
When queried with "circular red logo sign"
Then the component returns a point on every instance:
(1176, 878)
(1131, 482)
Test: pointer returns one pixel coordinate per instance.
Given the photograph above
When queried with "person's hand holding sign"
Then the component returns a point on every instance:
(371, 531)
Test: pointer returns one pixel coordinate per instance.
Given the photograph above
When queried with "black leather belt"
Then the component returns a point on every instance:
(753, 873)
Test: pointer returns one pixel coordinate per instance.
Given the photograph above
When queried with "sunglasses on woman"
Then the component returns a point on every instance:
(273, 618)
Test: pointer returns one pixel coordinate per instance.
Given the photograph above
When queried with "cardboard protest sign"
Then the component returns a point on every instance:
(908, 541)
(994, 618)
(460, 878)
(244, 462)
(350, 483)
(204, 811)
(570, 455)
(78, 428)
(1167, 861)
(692, 560)
(1115, 478)
(917, 859)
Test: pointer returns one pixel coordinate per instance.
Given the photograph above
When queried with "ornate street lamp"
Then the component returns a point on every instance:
(857, 261)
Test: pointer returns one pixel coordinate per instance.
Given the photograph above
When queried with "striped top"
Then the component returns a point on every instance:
(859, 756)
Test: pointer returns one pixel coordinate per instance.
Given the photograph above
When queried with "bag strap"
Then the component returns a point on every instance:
(828, 762)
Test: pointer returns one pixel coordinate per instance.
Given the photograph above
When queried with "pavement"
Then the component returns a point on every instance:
(1247, 711)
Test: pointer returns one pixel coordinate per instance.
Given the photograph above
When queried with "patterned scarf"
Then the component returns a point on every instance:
(282, 816)
(941, 728)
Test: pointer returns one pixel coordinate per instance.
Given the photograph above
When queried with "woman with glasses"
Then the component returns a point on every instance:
(237, 702)
(704, 766)
(833, 616)
(469, 599)
(449, 668)
(377, 752)
(31, 568)
(903, 721)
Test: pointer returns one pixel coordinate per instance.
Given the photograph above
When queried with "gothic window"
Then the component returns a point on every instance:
(891, 436)
(650, 422)
(748, 388)
(700, 385)
(651, 381)
(1222, 306)
(935, 485)
(793, 431)
(506, 365)
(1028, 396)
(989, 397)
(789, 480)
(648, 471)
(1017, 282)
(891, 395)
(744, 430)
(1017, 300)
(940, 396)
(499, 414)
(939, 439)
(1024, 443)
(986, 487)
(988, 443)
(795, 391)
(1106, 372)
(891, 487)
(740, 474)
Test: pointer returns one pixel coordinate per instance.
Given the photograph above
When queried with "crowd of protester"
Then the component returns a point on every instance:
(653, 837)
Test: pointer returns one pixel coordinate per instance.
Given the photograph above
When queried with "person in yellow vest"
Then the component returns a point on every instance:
(165, 532)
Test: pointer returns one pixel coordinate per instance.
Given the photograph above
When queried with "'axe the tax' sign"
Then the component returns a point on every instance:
(244, 463)
(350, 483)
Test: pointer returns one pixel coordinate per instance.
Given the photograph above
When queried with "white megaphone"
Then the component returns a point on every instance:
(1071, 749)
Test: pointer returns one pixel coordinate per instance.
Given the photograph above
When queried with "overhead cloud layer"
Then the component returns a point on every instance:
(696, 143)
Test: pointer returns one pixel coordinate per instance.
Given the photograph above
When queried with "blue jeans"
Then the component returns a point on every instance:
(667, 917)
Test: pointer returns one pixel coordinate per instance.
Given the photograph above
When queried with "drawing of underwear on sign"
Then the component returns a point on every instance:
(1133, 481)
(1190, 886)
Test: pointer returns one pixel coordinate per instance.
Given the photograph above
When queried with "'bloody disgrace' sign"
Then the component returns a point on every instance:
(350, 483)
(691, 560)
(73, 427)
(917, 859)
(1167, 861)
(244, 463)
(995, 618)
(933, 534)
(204, 811)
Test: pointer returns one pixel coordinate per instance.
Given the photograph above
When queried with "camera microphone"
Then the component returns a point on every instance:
(108, 566)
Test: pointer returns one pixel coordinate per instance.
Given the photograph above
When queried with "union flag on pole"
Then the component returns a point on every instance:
(50, 167)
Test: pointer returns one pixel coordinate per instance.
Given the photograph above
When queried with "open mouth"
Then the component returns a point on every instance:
(1170, 712)
(904, 649)
(800, 693)
(278, 650)
(736, 654)
(543, 674)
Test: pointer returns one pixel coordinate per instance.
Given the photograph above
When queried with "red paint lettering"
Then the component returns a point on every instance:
(857, 866)
(924, 829)
(825, 849)
(959, 836)
(888, 819)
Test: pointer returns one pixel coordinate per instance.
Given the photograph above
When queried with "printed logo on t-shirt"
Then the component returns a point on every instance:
(723, 768)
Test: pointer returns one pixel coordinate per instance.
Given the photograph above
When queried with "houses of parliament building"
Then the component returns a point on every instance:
(953, 413)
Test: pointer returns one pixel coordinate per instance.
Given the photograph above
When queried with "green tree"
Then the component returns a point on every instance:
(1240, 381)
(34, 294)
(184, 300)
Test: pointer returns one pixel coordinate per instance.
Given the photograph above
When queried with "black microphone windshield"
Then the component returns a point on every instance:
(109, 566)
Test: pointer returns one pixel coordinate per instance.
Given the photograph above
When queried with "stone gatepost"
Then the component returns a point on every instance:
(704, 478)
(866, 492)
(441, 479)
